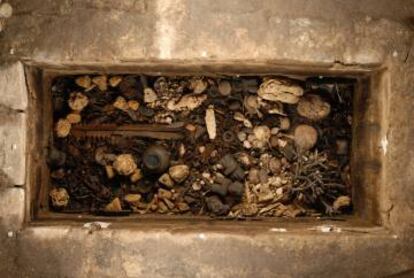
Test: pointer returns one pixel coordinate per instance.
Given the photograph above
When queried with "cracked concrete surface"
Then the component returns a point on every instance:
(101, 32)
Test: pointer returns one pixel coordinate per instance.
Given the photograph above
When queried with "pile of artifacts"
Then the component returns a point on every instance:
(232, 147)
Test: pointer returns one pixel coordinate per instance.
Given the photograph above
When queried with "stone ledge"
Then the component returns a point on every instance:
(12, 148)
(13, 92)
(12, 204)
(132, 253)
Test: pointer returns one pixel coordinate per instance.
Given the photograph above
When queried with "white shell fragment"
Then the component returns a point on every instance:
(210, 120)
(125, 164)
(179, 173)
(77, 101)
(281, 90)
(187, 102)
(59, 197)
(313, 107)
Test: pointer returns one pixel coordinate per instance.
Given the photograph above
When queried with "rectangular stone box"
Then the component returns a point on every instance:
(366, 160)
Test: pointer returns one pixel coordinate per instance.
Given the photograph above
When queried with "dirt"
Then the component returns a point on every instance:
(225, 146)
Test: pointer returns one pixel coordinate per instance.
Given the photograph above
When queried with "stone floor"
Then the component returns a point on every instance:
(341, 34)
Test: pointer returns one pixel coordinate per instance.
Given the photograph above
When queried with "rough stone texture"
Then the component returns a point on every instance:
(12, 208)
(164, 253)
(13, 93)
(330, 32)
(12, 147)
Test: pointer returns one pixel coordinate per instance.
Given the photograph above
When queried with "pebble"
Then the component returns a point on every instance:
(109, 171)
(190, 127)
(59, 197)
(115, 80)
(6, 10)
(179, 173)
(219, 189)
(224, 88)
(275, 165)
(341, 146)
(114, 206)
(133, 105)
(198, 85)
(305, 136)
(341, 202)
(274, 130)
(284, 123)
(136, 175)
(241, 136)
(183, 207)
(62, 128)
(101, 82)
(121, 103)
(150, 95)
(74, 118)
(197, 186)
(125, 164)
(166, 180)
(236, 189)
(282, 90)
(132, 199)
(262, 133)
(254, 176)
(247, 144)
(313, 107)
(77, 101)
(164, 194)
(216, 206)
(84, 81)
